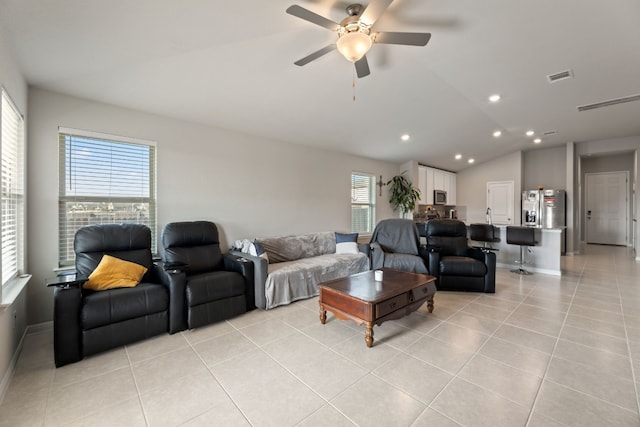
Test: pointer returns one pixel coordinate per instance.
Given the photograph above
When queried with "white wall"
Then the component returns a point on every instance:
(13, 318)
(249, 186)
(471, 184)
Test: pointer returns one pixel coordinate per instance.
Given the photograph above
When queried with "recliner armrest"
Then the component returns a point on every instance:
(365, 248)
(245, 267)
(377, 256)
(175, 281)
(476, 253)
(67, 341)
(490, 279)
(433, 261)
(260, 271)
(168, 266)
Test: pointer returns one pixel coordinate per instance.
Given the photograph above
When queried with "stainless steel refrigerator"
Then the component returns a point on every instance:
(544, 208)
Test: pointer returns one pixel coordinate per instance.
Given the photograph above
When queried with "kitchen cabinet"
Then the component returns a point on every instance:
(439, 180)
(430, 179)
(425, 185)
(451, 192)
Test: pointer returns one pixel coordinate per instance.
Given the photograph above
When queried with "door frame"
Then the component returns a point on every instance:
(627, 241)
(511, 202)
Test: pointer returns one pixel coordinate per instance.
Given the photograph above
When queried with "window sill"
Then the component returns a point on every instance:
(12, 289)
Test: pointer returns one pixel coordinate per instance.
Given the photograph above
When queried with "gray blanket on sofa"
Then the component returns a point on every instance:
(294, 280)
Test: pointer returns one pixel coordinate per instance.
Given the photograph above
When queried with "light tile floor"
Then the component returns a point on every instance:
(541, 351)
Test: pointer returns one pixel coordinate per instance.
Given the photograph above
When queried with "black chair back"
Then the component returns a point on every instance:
(523, 236)
(448, 235)
(482, 232)
(194, 244)
(130, 242)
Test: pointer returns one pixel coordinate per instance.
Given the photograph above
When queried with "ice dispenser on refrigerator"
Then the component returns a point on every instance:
(543, 208)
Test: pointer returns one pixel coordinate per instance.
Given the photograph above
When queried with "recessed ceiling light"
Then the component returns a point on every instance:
(494, 98)
(497, 133)
(537, 141)
(530, 133)
(458, 156)
(405, 137)
(471, 160)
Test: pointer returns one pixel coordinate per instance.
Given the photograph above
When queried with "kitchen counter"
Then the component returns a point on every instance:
(545, 257)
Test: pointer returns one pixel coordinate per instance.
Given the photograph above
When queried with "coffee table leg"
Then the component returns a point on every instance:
(368, 335)
(430, 305)
(323, 315)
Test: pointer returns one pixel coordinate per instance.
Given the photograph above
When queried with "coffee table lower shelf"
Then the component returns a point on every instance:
(361, 299)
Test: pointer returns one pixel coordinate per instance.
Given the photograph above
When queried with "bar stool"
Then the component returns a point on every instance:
(525, 237)
(484, 233)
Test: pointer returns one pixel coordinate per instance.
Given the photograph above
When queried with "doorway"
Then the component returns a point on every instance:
(500, 199)
(607, 208)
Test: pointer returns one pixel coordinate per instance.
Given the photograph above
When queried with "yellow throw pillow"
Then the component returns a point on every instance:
(113, 272)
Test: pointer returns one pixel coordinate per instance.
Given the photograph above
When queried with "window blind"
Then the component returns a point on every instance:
(362, 203)
(104, 180)
(12, 183)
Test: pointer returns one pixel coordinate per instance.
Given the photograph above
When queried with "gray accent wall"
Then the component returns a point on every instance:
(545, 167)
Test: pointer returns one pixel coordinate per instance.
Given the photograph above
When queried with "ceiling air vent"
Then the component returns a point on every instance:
(609, 102)
(560, 76)
(549, 133)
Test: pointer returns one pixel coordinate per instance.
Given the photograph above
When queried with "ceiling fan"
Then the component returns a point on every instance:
(354, 33)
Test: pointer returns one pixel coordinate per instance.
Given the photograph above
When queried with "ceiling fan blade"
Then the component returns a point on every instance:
(315, 55)
(362, 67)
(375, 9)
(312, 17)
(410, 39)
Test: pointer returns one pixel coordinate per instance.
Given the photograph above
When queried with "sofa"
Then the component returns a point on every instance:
(289, 268)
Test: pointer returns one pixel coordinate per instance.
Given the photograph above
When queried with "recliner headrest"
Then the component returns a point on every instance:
(193, 233)
(446, 228)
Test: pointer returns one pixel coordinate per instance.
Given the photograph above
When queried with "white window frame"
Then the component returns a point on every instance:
(12, 150)
(370, 204)
(144, 198)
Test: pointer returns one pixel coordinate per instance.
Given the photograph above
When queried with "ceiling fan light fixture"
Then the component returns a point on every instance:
(354, 44)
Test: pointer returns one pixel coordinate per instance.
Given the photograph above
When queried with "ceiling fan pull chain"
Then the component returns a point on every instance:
(353, 85)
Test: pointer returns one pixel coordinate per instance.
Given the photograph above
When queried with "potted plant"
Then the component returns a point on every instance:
(403, 196)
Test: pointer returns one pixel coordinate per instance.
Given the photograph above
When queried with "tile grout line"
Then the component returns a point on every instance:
(135, 383)
(555, 345)
(626, 333)
(477, 352)
(226, 392)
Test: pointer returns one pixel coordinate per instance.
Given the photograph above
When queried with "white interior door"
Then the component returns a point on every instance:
(500, 200)
(606, 208)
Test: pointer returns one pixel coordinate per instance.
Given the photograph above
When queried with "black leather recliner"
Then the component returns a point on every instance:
(217, 286)
(456, 266)
(395, 243)
(86, 322)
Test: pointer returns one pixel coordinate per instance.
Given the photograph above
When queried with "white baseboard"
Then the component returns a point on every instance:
(39, 327)
(8, 375)
(532, 269)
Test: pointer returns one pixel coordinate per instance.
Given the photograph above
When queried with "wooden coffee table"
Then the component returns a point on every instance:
(361, 299)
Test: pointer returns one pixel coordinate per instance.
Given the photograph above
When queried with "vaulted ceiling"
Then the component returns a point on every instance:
(230, 64)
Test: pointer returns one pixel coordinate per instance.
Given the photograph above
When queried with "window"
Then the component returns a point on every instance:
(104, 179)
(12, 178)
(363, 202)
